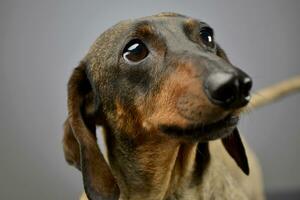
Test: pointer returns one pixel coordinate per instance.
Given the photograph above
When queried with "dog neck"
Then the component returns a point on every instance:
(153, 167)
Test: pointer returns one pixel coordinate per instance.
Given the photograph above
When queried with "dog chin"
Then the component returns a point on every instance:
(203, 132)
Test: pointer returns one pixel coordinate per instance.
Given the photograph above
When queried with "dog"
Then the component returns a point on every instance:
(169, 102)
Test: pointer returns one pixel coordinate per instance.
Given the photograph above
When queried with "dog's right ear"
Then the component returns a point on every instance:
(99, 183)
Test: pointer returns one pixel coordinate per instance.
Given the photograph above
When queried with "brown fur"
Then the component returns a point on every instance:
(143, 161)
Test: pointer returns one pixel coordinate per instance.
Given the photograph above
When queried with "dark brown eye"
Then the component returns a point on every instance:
(135, 51)
(207, 36)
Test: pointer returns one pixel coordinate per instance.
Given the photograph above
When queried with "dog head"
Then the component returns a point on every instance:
(160, 75)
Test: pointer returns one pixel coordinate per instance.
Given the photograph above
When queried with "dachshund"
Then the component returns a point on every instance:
(169, 101)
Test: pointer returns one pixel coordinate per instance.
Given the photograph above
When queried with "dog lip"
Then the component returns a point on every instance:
(198, 131)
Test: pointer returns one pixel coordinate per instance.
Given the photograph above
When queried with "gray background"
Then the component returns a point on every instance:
(42, 41)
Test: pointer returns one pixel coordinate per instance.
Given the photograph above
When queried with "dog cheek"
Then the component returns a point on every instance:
(122, 118)
(137, 79)
(189, 107)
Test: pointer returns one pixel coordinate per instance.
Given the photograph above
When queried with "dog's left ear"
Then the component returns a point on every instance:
(234, 146)
(233, 143)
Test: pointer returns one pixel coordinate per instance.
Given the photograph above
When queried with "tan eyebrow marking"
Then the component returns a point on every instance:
(191, 27)
(148, 31)
(190, 24)
(145, 29)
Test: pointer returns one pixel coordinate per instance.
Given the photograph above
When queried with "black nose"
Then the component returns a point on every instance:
(228, 90)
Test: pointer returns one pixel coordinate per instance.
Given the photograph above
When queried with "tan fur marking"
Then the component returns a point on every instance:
(184, 81)
(190, 24)
(129, 121)
(146, 30)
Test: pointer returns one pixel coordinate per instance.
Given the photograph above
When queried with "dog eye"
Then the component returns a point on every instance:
(135, 51)
(207, 36)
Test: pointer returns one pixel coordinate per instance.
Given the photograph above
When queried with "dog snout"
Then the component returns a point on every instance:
(227, 89)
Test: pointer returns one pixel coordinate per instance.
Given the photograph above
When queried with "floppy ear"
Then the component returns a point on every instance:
(234, 146)
(71, 146)
(99, 183)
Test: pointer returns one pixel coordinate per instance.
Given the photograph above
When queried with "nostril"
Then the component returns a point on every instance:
(245, 86)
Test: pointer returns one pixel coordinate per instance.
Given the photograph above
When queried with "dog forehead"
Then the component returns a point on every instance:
(161, 20)
(106, 47)
(167, 20)
(160, 23)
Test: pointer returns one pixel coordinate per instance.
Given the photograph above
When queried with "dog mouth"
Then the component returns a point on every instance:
(203, 132)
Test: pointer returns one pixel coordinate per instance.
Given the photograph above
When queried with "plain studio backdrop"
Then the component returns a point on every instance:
(42, 41)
